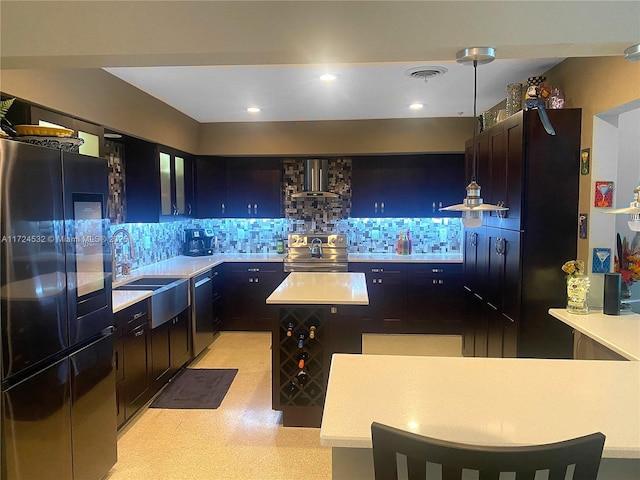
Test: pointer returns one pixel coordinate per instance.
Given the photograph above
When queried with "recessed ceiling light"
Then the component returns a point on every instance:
(328, 77)
(416, 106)
(253, 109)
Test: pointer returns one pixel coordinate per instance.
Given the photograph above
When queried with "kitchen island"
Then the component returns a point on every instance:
(483, 401)
(317, 314)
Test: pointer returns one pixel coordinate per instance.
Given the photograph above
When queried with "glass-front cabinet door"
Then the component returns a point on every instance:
(175, 183)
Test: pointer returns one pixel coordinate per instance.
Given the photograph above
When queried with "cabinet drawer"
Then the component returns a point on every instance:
(131, 317)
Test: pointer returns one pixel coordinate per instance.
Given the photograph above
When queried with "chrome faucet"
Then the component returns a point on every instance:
(316, 248)
(124, 265)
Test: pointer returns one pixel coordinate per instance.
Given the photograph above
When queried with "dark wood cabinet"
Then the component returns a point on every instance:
(247, 286)
(179, 341)
(136, 357)
(159, 182)
(161, 368)
(433, 298)
(512, 272)
(118, 351)
(412, 298)
(218, 297)
(406, 185)
(210, 187)
(171, 348)
(253, 187)
(387, 289)
(239, 187)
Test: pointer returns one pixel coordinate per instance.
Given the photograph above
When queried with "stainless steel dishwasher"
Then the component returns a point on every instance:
(202, 312)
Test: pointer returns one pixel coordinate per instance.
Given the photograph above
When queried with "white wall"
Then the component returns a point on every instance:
(615, 156)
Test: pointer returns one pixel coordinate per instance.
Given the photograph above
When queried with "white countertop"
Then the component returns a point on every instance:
(125, 298)
(321, 288)
(620, 333)
(484, 401)
(413, 258)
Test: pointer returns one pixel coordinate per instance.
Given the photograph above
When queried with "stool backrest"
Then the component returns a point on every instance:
(583, 454)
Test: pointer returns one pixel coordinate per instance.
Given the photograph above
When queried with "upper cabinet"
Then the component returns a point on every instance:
(252, 187)
(22, 113)
(159, 182)
(210, 187)
(406, 185)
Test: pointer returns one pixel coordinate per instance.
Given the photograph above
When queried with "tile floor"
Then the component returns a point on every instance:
(243, 439)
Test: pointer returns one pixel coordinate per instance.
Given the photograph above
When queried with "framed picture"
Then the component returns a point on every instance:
(583, 218)
(601, 260)
(585, 157)
(603, 197)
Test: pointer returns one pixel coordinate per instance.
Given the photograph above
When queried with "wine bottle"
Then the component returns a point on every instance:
(302, 376)
(301, 338)
(312, 332)
(290, 326)
(302, 359)
(291, 389)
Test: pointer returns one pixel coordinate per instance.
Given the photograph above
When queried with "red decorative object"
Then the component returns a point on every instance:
(603, 194)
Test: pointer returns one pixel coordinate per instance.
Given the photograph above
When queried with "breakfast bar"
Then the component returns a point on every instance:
(483, 401)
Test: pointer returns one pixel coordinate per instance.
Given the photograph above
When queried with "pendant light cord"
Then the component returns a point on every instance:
(475, 119)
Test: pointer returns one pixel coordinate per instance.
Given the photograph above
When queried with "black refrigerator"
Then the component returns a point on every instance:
(58, 418)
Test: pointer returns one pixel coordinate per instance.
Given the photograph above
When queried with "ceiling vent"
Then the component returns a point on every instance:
(425, 73)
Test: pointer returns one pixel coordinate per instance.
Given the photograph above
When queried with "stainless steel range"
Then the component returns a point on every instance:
(317, 252)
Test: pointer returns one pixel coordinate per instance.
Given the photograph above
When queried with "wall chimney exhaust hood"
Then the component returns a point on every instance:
(316, 180)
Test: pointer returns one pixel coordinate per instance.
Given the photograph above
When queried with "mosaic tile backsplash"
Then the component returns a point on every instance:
(160, 241)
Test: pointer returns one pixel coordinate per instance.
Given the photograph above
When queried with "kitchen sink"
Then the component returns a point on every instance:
(150, 282)
(170, 296)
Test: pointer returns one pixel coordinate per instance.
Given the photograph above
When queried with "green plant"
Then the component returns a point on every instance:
(5, 105)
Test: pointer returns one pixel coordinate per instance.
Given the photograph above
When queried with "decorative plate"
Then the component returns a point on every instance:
(68, 144)
(42, 131)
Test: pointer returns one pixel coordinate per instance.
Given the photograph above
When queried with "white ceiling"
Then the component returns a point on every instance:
(212, 59)
(295, 92)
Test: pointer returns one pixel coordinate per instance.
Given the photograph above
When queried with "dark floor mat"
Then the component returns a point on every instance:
(196, 388)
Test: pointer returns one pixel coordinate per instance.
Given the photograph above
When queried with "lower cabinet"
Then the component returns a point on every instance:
(171, 349)
(137, 368)
(118, 351)
(412, 297)
(145, 358)
(434, 292)
(387, 289)
(247, 286)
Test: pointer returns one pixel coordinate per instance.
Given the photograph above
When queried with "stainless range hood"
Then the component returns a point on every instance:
(316, 180)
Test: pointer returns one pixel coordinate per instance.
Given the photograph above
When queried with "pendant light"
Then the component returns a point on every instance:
(472, 205)
(633, 210)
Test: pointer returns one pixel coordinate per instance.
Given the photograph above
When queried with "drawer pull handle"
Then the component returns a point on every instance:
(137, 334)
(137, 315)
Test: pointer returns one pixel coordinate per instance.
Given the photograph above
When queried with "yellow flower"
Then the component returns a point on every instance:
(573, 267)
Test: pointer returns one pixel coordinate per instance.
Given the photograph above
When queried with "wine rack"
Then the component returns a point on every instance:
(301, 330)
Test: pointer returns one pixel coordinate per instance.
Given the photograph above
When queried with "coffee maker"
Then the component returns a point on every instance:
(198, 242)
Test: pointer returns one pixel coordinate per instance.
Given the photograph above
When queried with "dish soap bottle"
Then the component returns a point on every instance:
(399, 243)
(279, 244)
(409, 242)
